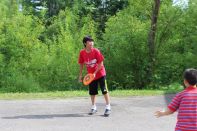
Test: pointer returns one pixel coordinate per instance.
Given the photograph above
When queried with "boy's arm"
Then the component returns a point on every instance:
(80, 72)
(163, 113)
(98, 68)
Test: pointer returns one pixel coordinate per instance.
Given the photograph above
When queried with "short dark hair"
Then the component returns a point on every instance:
(190, 75)
(87, 38)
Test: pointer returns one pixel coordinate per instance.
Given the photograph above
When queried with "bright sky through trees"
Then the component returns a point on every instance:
(181, 3)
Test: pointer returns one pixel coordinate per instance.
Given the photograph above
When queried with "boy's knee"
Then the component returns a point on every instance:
(104, 92)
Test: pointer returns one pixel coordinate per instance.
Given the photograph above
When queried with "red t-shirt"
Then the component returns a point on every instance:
(92, 59)
(186, 103)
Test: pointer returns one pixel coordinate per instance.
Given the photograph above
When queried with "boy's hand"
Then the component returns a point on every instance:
(163, 113)
(158, 114)
(94, 74)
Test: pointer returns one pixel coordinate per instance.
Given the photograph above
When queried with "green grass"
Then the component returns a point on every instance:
(69, 94)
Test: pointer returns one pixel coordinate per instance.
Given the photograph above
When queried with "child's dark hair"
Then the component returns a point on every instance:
(87, 38)
(191, 76)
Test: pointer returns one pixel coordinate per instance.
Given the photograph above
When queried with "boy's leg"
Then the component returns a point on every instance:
(107, 99)
(104, 89)
(108, 106)
(93, 91)
(93, 99)
(93, 109)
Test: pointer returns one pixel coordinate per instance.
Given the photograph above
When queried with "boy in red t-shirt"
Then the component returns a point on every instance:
(93, 59)
(186, 104)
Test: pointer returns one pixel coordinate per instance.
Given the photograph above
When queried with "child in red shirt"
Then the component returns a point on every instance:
(186, 104)
(93, 59)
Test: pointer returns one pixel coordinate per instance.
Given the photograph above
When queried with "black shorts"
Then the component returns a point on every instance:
(93, 87)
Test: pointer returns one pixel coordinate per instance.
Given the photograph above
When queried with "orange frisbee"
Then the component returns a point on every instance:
(88, 79)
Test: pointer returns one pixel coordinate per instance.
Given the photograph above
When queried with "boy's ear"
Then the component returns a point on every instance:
(185, 83)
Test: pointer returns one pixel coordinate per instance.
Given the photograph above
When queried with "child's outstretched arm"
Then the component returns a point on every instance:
(163, 113)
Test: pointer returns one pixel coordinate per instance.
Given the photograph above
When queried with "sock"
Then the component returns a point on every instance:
(93, 107)
(108, 107)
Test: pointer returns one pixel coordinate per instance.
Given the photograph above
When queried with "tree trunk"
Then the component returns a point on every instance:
(151, 40)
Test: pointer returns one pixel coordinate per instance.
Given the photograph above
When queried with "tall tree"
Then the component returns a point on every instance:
(152, 38)
(104, 9)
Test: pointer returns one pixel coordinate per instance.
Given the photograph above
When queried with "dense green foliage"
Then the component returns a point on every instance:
(39, 49)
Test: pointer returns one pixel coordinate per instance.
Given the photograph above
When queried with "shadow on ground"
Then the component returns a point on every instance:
(47, 116)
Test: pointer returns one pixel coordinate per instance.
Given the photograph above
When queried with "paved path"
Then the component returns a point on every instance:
(128, 114)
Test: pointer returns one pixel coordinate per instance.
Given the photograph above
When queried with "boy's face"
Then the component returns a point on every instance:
(89, 44)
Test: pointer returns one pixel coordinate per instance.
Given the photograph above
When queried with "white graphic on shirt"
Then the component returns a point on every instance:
(91, 63)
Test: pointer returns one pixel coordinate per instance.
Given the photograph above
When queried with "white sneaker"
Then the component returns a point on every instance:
(107, 112)
(92, 111)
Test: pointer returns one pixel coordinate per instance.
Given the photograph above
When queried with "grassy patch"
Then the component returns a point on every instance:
(69, 94)
(43, 95)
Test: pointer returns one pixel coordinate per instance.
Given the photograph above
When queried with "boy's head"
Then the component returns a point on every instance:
(86, 39)
(190, 77)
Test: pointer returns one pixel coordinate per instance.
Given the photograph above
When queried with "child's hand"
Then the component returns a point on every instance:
(94, 74)
(163, 113)
(158, 114)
